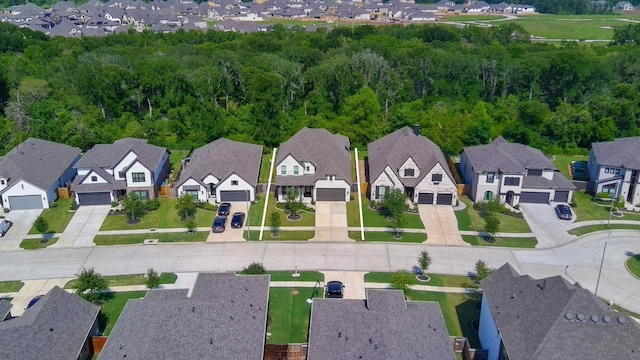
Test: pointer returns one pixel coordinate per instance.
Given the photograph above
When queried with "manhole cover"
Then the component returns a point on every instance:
(295, 292)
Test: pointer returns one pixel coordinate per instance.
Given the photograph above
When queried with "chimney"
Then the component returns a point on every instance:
(416, 129)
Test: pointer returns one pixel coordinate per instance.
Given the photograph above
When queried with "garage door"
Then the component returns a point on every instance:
(425, 198)
(534, 197)
(561, 196)
(101, 198)
(25, 202)
(330, 195)
(233, 195)
(444, 199)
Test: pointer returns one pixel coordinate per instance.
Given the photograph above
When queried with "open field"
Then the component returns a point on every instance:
(570, 27)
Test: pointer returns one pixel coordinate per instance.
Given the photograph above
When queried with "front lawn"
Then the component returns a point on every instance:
(126, 280)
(603, 227)
(200, 236)
(458, 311)
(587, 209)
(255, 214)
(388, 236)
(373, 218)
(33, 244)
(527, 243)
(289, 314)
(633, 264)
(312, 276)
(436, 280)
(470, 219)
(112, 308)
(10, 286)
(353, 213)
(57, 217)
(284, 235)
(165, 217)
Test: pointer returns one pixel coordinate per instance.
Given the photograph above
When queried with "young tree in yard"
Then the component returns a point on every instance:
(482, 271)
(186, 206)
(294, 203)
(401, 280)
(190, 224)
(275, 222)
(394, 201)
(399, 220)
(492, 224)
(153, 279)
(424, 260)
(89, 285)
(133, 206)
(41, 225)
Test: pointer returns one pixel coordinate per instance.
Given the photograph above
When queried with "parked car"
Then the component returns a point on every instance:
(563, 212)
(224, 209)
(237, 220)
(219, 224)
(334, 289)
(4, 226)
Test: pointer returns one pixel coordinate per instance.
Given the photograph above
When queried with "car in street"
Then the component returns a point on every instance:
(334, 289)
(224, 209)
(563, 212)
(219, 224)
(4, 226)
(237, 220)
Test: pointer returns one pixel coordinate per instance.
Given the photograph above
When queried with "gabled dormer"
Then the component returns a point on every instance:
(409, 170)
(290, 166)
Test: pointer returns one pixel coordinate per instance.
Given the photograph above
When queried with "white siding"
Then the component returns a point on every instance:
(203, 193)
(89, 180)
(482, 186)
(83, 171)
(547, 174)
(488, 331)
(289, 162)
(409, 164)
(225, 185)
(210, 179)
(311, 168)
(23, 188)
(446, 186)
(128, 159)
(387, 178)
(139, 168)
(3, 183)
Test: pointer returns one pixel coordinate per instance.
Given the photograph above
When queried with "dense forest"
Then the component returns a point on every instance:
(463, 86)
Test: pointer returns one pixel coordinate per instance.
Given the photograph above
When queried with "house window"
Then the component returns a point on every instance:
(142, 194)
(409, 172)
(436, 177)
(532, 172)
(137, 177)
(283, 170)
(488, 196)
(609, 189)
(296, 170)
(612, 171)
(94, 178)
(193, 193)
(308, 168)
(512, 181)
(2, 182)
(234, 182)
(380, 191)
(490, 177)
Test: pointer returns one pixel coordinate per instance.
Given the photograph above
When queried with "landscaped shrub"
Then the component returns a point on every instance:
(254, 269)
(494, 207)
(152, 204)
(603, 195)
(205, 205)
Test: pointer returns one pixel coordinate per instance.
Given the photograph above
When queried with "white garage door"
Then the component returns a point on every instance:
(25, 202)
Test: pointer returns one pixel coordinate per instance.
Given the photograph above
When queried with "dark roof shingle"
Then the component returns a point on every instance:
(623, 152)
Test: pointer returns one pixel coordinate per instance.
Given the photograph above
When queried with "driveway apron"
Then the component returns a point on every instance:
(441, 224)
(548, 229)
(84, 226)
(331, 221)
(230, 234)
(22, 222)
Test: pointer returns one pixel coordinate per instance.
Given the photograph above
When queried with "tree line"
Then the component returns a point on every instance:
(183, 90)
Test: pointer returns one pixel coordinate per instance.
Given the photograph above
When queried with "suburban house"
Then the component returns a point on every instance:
(624, 6)
(223, 170)
(31, 173)
(522, 318)
(224, 318)
(317, 163)
(128, 166)
(410, 162)
(614, 166)
(513, 173)
(59, 326)
(385, 326)
(5, 309)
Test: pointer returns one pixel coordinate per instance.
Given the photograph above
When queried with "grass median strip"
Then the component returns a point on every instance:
(309, 276)
(33, 244)
(127, 280)
(283, 235)
(388, 236)
(528, 242)
(10, 286)
(592, 228)
(129, 239)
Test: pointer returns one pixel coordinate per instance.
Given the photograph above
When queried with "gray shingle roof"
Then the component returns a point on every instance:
(38, 162)
(225, 318)
(394, 150)
(328, 152)
(623, 152)
(109, 155)
(532, 317)
(506, 157)
(383, 327)
(222, 158)
(5, 308)
(56, 327)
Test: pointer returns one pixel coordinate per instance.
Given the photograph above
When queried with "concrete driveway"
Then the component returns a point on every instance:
(353, 282)
(549, 230)
(84, 226)
(31, 289)
(441, 224)
(331, 221)
(22, 222)
(231, 234)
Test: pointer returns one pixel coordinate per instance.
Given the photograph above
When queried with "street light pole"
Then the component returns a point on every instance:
(248, 226)
(615, 194)
(604, 251)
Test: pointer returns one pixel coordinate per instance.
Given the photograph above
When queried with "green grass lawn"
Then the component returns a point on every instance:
(113, 306)
(312, 276)
(255, 214)
(353, 213)
(436, 280)
(126, 280)
(458, 311)
(289, 314)
(372, 218)
(633, 264)
(200, 236)
(57, 217)
(175, 159)
(264, 168)
(163, 218)
(470, 219)
(388, 236)
(570, 28)
(592, 228)
(563, 162)
(284, 235)
(10, 286)
(527, 243)
(33, 244)
(463, 18)
(587, 209)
